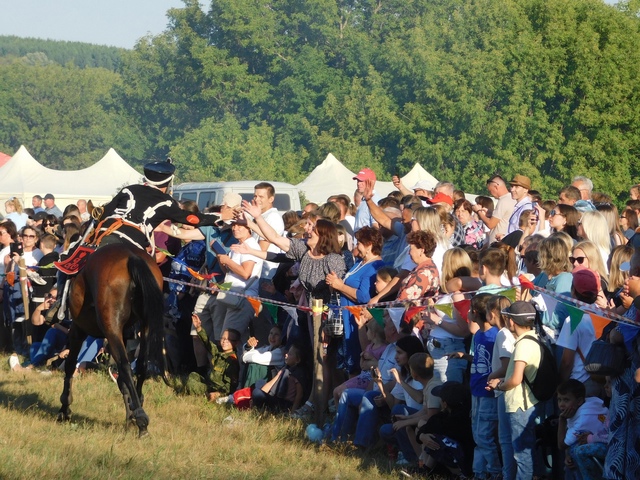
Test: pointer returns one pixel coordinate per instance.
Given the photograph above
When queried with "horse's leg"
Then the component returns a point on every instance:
(133, 406)
(141, 365)
(76, 337)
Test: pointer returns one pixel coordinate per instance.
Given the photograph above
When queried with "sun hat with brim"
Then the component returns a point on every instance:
(521, 181)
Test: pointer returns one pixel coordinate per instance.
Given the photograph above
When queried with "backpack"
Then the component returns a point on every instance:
(546, 382)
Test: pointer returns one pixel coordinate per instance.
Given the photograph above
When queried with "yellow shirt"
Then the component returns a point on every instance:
(529, 352)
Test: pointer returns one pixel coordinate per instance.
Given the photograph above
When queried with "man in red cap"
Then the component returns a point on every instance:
(363, 215)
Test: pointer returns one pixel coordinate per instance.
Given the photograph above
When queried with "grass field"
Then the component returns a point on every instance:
(189, 438)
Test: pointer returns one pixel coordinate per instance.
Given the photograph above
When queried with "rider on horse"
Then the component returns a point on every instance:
(133, 214)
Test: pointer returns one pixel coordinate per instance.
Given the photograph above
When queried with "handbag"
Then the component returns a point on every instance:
(606, 358)
(333, 323)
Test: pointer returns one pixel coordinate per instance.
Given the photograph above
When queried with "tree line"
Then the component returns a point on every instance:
(244, 89)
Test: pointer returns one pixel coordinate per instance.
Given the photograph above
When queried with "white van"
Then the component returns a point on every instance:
(207, 194)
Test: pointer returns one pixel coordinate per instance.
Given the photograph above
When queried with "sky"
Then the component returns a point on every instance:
(118, 23)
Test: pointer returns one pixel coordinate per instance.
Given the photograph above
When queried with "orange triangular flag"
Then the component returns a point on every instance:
(256, 304)
(526, 283)
(599, 323)
(355, 311)
(195, 274)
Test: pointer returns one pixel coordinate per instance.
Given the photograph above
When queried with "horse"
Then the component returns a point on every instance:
(118, 286)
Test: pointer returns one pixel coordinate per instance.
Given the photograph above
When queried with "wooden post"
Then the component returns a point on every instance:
(318, 384)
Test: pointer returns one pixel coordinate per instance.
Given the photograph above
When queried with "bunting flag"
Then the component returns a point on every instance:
(273, 311)
(293, 313)
(355, 311)
(463, 307)
(599, 323)
(256, 304)
(378, 315)
(223, 286)
(510, 294)
(412, 312)
(575, 314)
(526, 283)
(199, 276)
(165, 252)
(446, 308)
(10, 277)
(396, 315)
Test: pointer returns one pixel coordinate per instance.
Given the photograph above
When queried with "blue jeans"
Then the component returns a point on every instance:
(54, 341)
(399, 437)
(523, 436)
(444, 369)
(346, 414)
(506, 445)
(356, 407)
(89, 349)
(484, 423)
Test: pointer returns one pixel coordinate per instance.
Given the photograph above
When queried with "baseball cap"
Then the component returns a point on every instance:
(49, 196)
(422, 185)
(522, 313)
(441, 198)
(232, 199)
(521, 181)
(365, 174)
(586, 281)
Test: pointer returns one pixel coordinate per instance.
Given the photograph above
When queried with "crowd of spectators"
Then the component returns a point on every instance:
(447, 388)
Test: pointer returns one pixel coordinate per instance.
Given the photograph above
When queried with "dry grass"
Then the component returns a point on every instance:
(189, 437)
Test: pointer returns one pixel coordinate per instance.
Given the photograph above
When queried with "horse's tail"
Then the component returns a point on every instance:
(150, 306)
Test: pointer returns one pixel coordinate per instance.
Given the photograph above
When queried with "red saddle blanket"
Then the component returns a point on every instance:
(76, 261)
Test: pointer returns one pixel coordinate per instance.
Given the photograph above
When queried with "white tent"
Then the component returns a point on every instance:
(332, 178)
(329, 178)
(24, 177)
(416, 174)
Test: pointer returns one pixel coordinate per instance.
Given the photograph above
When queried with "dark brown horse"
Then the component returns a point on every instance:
(119, 286)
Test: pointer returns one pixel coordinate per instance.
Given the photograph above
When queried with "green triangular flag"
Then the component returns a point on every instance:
(378, 315)
(273, 310)
(510, 294)
(446, 308)
(224, 286)
(575, 314)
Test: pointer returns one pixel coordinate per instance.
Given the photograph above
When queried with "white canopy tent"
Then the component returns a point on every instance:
(331, 177)
(24, 177)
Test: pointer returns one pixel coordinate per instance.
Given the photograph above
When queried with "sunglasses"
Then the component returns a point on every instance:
(28, 236)
(580, 260)
(554, 212)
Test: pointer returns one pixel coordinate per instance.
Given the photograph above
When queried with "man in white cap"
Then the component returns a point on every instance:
(363, 215)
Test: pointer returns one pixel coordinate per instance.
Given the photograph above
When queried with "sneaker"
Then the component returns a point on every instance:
(14, 362)
(401, 461)
(223, 400)
(113, 373)
(304, 411)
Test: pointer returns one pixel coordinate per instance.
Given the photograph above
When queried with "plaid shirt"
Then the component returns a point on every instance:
(457, 238)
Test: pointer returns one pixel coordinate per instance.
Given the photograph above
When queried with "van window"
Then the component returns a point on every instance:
(206, 199)
(282, 201)
(188, 196)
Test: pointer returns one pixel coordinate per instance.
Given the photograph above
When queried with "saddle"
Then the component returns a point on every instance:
(76, 260)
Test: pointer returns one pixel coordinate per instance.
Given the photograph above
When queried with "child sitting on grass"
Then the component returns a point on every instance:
(285, 391)
(222, 378)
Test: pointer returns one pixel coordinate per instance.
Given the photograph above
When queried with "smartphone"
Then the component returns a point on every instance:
(219, 248)
(15, 247)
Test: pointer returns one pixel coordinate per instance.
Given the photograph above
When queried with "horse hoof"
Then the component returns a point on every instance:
(143, 434)
(64, 416)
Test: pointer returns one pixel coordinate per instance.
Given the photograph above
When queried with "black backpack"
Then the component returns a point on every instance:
(546, 382)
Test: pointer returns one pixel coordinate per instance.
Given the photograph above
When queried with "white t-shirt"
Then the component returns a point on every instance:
(3, 253)
(274, 219)
(32, 258)
(239, 284)
(401, 394)
(502, 348)
(581, 338)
